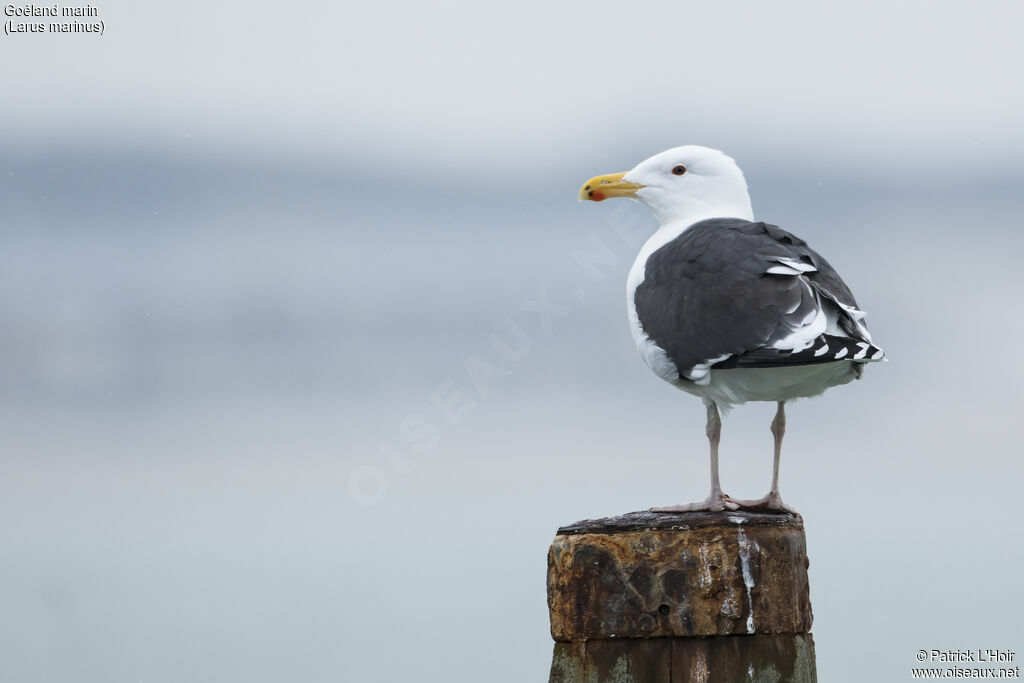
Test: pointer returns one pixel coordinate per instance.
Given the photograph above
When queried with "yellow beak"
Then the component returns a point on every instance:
(602, 187)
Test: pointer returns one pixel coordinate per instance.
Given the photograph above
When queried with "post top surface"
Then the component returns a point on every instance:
(672, 521)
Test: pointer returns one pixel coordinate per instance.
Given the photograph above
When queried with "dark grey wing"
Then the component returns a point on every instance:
(729, 293)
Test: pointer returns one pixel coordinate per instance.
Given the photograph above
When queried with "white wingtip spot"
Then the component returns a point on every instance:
(822, 351)
(841, 353)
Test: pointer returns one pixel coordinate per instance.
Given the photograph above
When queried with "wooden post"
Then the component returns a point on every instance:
(715, 597)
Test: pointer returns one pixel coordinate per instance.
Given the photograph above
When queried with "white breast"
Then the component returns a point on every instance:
(655, 357)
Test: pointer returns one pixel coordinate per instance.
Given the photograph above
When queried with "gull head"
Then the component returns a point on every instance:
(682, 185)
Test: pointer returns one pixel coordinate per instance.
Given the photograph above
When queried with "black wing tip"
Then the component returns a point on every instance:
(826, 348)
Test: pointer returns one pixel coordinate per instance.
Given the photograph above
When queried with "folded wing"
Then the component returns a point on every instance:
(729, 293)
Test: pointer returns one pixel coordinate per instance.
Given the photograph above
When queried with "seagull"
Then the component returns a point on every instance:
(729, 309)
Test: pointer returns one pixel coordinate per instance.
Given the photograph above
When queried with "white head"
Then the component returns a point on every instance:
(681, 186)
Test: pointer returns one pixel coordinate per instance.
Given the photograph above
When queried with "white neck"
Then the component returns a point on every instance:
(680, 213)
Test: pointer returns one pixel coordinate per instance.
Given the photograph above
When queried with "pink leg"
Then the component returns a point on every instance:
(716, 500)
(773, 501)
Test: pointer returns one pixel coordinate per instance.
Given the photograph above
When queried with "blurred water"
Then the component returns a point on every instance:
(200, 353)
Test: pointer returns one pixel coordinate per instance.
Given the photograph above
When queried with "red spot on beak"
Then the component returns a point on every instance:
(597, 196)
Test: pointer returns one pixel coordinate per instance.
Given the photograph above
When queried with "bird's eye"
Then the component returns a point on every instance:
(679, 170)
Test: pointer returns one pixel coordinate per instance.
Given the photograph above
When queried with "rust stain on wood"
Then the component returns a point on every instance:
(653, 575)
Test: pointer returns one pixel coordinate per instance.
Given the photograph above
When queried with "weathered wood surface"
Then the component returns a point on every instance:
(787, 658)
(656, 575)
(645, 520)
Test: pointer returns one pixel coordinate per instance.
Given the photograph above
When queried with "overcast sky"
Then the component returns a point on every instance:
(451, 84)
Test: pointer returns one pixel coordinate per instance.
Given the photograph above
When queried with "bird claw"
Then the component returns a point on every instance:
(721, 502)
(770, 503)
(714, 503)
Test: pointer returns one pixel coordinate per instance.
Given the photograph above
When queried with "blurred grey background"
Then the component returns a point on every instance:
(308, 347)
